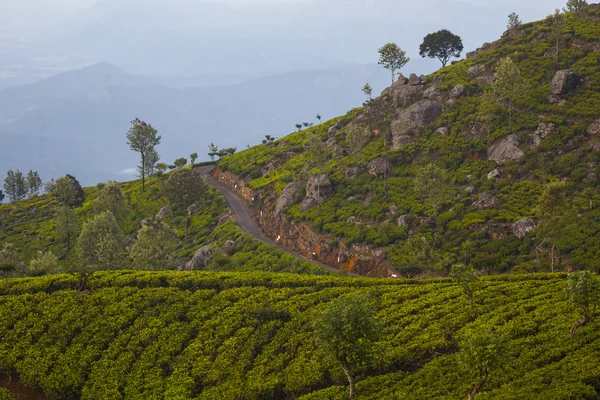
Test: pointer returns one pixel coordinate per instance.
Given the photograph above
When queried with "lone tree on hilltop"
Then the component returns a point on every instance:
(299, 127)
(142, 138)
(193, 158)
(319, 117)
(367, 90)
(180, 162)
(441, 45)
(34, 182)
(347, 330)
(15, 185)
(584, 291)
(513, 21)
(575, 5)
(212, 151)
(393, 58)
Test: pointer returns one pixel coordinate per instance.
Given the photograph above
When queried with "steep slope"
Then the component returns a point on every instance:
(183, 335)
(502, 175)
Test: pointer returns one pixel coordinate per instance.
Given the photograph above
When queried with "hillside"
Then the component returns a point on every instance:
(467, 178)
(185, 335)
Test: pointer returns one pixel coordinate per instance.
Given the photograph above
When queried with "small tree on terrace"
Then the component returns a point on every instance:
(142, 138)
(34, 182)
(513, 21)
(65, 224)
(193, 157)
(441, 45)
(100, 244)
(466, 277)
(110, 198)
(483, 352)
(575, 5)
(212, 151)
(367, 90)
(155, 247)
(347, 331)
(393, 58)
(584, 291)
(507, 85)
(180, 162)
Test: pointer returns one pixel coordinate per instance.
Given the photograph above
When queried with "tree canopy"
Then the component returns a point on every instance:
(441, 45)
(393, 58)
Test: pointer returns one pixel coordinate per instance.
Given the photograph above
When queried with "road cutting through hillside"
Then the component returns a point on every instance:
(245, 221)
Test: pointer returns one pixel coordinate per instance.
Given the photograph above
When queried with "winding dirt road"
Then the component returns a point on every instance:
(245, 221)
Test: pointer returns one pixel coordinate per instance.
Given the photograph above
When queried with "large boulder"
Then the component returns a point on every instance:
(308, 204)
(564, 82)
(378, 166)
(457, 92)
(319, 186)
(424, 112)
(405, 95)
(487, 202)
(594, 128)
(414, 80)
(336, 128)
(288, 197)
(506, 149)
(228, 247)
(166, 210)
(476, 70)
(522, 227)
(433, 93)
(200, 259)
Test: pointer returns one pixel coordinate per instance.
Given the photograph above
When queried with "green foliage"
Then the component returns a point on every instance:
(5, 394)
(155, 247)
(100, 244)
(34, 182)
(441, 45)
(15, 185)
(142, 138)
(68, 192)
(367, 90)
(10, 261)
(180, 162)
(184, 187)
(433, 187)
(575, 5)
(584, 292)
(193, 158)
(466, 277)
(44, 263)
(393, 58)
(513, 21)
(110, 198)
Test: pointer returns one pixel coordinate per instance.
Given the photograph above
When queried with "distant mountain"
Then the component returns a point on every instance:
(76, 122)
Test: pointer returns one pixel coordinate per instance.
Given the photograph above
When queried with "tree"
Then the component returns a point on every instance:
(347, 331)
(110, 198)
(575, 5)
(193, 157)
(1, 196)
(306, 124)
(34, 182)
(299, 127)
(483, 352)
(184, 187)
(367, 90)
(466, 277)
(433, 187)
(49, 186)
(9, 258)
(557, 24)
(319, 117)
(441, 45)
(180, 162)
(549, 209)
(507, 84)
(142, 138)
(155, 247)
(68, 192)
(212, 151)
(584, 292)
(393, 58)
(100, 244)
(152, 158)
(357, 137)
(44, 263)
(513, 21)
(15, 185)
(65, 224)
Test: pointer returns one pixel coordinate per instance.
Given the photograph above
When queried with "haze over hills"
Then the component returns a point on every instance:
(76, 122)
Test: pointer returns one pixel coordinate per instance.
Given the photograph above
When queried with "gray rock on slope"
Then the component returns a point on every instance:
(506, 149)
(200, 259)
(287, 197)
(564, 82)
(522, 227)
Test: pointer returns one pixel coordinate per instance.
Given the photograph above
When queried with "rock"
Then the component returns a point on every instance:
(335, 128)
(442, 131)
(193, 209)
(166, 210)
(400, 141)
(457, 92)
(200, 259)
(594, 128)
(564, 82)
(485, 79)
(330, 143)
(402, 80)
(477, 129)
(521, 228)
(288, 197)
(450, 104)
(351, 172)
(414, 80)
(130, 241)
(308, 204)
(351, 220)
(145, 222)
(393, 209)
(432, 93)
(406, 95)
(471, 54)
(476, 70)
(505, 150)
(224, 218)
(270, 167)
(422, 79)
(319, 187)
(378, 166)
(545, 129)
(338, 151)
(487, 202)
(469, 189)
(229, 247)
(403, 220)
(534, 141)
(555, 99)
(424, 112)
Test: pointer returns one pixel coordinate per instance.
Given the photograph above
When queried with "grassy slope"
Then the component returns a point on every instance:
(154, 335)
(564, 155)
(29, 225)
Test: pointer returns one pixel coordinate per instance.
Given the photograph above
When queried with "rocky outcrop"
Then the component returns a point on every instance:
(166, 210)
(351, 172)
(457, 92)
(594, 128)
(410, 122)
(433, 93)
(487, 202)
(224, 219)
(544, 129)
(522, 227)
(228, 247)
(476, 70)
(335, 128)
(403, 220)
(288, 197)
(481, 74)
(319, 186)
(270, 167)
(506, 149)
(308, 204)
(200, 259)
(564, 82)
(378, 166)
(405, 95)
